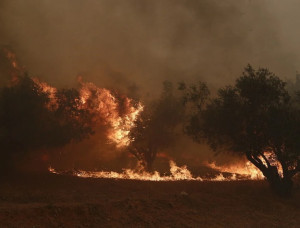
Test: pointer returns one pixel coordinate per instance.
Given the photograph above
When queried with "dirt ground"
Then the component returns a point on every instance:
(66, 201)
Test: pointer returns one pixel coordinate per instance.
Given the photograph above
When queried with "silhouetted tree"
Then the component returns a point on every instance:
(28, 124)
(256, 117)
(155, 128)
(74, 123)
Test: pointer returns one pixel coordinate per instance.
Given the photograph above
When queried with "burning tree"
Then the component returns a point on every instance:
(32, 119)
(155, 128)
(256, 117)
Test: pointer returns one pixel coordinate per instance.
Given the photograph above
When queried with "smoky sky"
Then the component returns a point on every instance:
(144, 42)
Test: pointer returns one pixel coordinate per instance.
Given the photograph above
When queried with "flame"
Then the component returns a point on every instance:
(118, 115)
(271, 157)
(50, 91)
(244, 169)
(106, 108)
(177, 173)
(248, 169)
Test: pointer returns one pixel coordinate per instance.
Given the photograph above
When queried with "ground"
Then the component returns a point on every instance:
(66, 201)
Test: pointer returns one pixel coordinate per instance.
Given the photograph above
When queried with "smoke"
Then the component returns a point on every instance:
(119, 43)
(135, 45)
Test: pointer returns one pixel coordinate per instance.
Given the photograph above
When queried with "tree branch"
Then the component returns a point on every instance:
(257, 162)
(265, 158)
(282, 162)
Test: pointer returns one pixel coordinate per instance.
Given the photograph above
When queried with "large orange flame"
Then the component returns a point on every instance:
(107, 109)
(177, 173)
(50, 91)
(117, 115)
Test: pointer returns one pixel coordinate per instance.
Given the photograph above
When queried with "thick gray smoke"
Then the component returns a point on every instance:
(140, 43)
(117, 43)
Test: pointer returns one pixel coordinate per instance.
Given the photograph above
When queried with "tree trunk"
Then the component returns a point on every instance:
(148, 166)
(282, 186)
(150, 156)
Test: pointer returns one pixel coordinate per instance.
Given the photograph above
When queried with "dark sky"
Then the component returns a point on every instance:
(118, 43)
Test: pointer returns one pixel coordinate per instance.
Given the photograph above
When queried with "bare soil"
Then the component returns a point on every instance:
(66, 201)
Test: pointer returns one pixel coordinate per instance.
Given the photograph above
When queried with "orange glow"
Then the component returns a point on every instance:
(50, 91)
(244, 169)
(106, 108)
(15, 70)
(176, 174)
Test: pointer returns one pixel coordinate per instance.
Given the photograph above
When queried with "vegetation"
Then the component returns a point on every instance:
(28, 123)
(155, 129)
(256, 117)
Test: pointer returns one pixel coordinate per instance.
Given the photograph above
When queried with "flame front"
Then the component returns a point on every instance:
(244, 169)
(177, 173)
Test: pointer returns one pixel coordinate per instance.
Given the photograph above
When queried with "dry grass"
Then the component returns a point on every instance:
(61, 201)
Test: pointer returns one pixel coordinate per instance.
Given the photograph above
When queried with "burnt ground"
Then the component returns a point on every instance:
(66, 201)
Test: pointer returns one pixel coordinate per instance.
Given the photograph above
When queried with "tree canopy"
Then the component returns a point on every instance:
(28, 123)
(255, 117)
(154, 129)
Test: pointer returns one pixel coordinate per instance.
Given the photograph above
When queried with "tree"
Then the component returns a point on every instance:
(155, 128)
(28, 124)
(256, 117)
(74, 122)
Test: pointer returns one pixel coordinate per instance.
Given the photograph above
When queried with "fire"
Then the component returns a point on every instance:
(117, 115)
(50, 91)
(247, 168)
(105, 107)
(177, 173)
(107, 110)
(271, 157)
(244, 169)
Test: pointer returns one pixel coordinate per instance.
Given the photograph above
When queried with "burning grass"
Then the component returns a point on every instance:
(177, 173)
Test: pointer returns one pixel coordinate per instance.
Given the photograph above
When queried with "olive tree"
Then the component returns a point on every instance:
(155, 128)
(255, 117)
